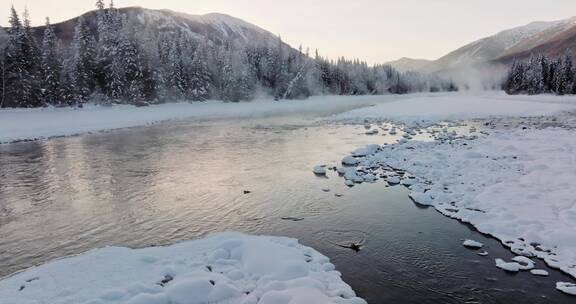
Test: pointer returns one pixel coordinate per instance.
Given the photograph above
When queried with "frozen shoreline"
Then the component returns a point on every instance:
(229, 268)
(43, 123)
(429, 109)
(514, 183)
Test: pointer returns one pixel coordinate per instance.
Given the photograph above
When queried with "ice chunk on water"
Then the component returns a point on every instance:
(472, 244)
(539, 272)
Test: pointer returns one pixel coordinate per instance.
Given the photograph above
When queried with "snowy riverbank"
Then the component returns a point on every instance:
(224, 268)
(426, 109)
(31, 124)
(514, 181)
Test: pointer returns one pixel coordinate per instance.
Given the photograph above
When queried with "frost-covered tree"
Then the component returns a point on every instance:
(238, 81)
(22, 65)
(564, 79)
(82, 66)
(100, 5)
(50, 68)
(541, 75)
(200, 76)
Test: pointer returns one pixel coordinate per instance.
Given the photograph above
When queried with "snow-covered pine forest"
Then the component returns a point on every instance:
(540, 75)
(111, 61)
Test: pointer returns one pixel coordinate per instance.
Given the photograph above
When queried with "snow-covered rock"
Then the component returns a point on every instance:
(507, 266)
(368, 150)
(319, 170)
(525, 263)
(370, 178)
(393, 180)
(350, 160)
(226, 268)
(409, 181)
(568, 288)
(354, 176)
(472, 244)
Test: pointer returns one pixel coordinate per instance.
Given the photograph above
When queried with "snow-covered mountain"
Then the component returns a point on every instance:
(150, 23)
(507, 43)
(553, 42)
(405, 64)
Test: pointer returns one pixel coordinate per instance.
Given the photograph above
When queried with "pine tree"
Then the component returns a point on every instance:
(2, 71)
(82, 66)
(515, 82)
(533, 80)
(176, 76)
(21, 65)
(50, 67)
(32, 57)
(564, 76)
(200, 74)
(135, 68)
(114, 56)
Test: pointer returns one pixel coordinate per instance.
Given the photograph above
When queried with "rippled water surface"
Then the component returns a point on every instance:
(182, 180)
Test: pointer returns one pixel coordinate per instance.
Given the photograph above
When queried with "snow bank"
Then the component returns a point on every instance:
(225, 268)
(517, 185)
(442, 107)
(30, 124)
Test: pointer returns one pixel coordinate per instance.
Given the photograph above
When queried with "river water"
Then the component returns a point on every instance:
(182, 180)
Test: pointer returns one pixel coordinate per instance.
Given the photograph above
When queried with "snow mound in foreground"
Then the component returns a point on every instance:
(226, 268)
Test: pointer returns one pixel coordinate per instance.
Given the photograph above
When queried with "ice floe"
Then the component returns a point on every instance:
(539, 272)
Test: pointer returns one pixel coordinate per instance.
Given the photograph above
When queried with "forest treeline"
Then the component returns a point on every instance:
(115, 65)
(541, 75)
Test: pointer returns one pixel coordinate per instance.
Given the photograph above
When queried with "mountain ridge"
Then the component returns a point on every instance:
(406, 64)
(212, 26)
(514, 43)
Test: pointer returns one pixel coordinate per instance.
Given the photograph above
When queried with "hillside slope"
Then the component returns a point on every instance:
(148, 23)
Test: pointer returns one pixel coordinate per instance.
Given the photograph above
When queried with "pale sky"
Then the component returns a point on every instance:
(373, 30)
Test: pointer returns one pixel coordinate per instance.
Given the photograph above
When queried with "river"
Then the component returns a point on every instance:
(181, 180)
